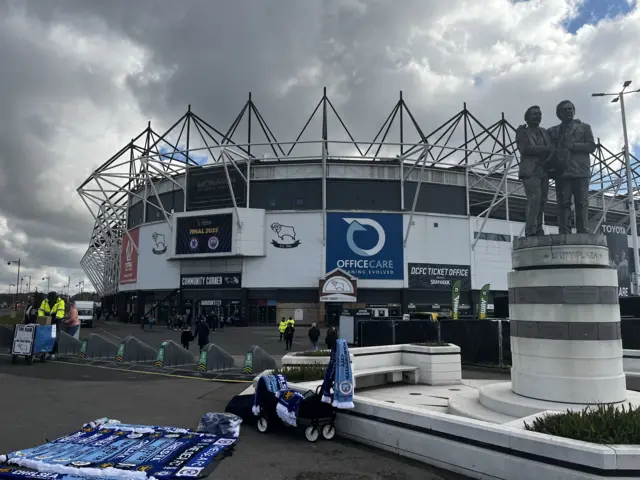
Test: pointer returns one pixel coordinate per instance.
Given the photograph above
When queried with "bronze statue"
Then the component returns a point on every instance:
(573, 143)
(535, 149)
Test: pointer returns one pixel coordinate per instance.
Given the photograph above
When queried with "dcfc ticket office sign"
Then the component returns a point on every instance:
(438, 276)
(367, 246)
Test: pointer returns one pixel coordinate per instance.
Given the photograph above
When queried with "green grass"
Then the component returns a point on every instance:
(9, 320)
(306, 373)
(603, 424)
(432, 344)
(315, 353)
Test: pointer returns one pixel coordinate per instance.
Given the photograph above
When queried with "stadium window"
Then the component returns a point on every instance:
(494, 237)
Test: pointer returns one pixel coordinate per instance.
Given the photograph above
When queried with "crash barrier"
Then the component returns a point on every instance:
(170, 354)
(133, 350)
(6, 336)
(96, 346)
(480, 341)
(68, 344)
(213, 357)
(256, 360)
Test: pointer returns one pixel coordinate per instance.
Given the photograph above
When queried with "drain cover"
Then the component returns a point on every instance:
(415, 394)
(390, 401)
(454, 389)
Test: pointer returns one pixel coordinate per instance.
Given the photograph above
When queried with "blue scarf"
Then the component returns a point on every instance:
(339, 377)
(273, 384)
(288, 406)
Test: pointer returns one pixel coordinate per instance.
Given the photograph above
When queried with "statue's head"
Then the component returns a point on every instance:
(565, 111)
(533, 116)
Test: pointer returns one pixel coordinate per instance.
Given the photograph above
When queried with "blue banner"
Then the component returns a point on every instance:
(104, 451)
(368, 246)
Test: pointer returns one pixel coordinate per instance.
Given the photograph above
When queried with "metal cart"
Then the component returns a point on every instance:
(32, 340)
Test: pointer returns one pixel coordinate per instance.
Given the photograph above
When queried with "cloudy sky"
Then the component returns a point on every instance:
(81, 77)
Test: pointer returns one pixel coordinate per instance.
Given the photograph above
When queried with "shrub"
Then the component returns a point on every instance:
(304, 373)
(432, 344)
(315, 353)
(604, 424)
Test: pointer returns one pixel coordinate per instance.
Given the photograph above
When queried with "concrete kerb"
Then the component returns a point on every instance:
(134, 350)
(171, 354)
(96, 346)
(257, 360)
(213, 357)
(68, 345)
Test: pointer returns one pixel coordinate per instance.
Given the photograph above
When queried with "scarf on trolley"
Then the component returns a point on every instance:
(288, 405)
(339, 377)
(273, 384)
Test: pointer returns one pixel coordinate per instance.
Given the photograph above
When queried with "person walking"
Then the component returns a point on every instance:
(282, 327)
(72, 324)
(202, 331)
(186, 337)
(314, 335)
(332, 336)
(288, 337)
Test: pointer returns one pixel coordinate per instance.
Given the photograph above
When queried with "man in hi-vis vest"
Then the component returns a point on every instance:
(53, 306)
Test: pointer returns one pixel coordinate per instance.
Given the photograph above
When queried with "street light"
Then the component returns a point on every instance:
(48, 279)
(632, 207)
(17, 279)
(14, 297)
(29, 285)
(80, 285)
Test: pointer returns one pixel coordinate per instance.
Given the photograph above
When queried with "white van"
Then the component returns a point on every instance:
(85, 313)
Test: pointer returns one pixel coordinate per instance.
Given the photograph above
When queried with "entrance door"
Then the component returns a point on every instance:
(332, 312)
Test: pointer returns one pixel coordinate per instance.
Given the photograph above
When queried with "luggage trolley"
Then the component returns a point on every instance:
(32, 340)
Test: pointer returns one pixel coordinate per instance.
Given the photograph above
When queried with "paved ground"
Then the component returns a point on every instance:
(234, 340)
(52, 399)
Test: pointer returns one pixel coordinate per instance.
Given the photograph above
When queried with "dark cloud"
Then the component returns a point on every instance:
(212, 54)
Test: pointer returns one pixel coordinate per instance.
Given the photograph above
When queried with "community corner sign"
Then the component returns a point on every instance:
(211, 281)
(367, 246)
(437, 276)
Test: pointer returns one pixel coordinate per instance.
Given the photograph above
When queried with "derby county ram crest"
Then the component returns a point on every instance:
(285, 236)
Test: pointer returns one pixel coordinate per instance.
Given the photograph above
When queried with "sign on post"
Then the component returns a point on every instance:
(23, 337)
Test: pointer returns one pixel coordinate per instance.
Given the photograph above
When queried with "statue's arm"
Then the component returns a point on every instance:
(589, 144)
(526, 147)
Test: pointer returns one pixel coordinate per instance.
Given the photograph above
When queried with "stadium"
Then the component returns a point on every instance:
(250, 226)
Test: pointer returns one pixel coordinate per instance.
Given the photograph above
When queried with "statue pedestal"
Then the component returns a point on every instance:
(566, 343)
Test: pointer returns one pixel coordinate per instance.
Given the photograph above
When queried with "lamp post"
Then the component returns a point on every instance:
(29, 284)
(632, 207)
(48, 279)
(17, 280)
(81, 286)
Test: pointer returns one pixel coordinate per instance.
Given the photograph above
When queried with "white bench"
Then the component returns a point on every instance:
(391, 374)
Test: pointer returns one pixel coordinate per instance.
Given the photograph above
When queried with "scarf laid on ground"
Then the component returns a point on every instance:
(288, 405)
(273, 384)
(339, 377)
(220, 424)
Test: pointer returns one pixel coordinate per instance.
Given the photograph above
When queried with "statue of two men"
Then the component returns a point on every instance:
(561, 153)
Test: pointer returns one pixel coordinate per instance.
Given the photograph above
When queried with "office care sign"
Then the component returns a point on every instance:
(438, 276)
(367, 246)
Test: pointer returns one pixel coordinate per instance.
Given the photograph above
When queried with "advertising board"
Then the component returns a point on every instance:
(619, 255)
(204, 234)
(438, 276)
(208, 187)
(367, 246)
(129, 256)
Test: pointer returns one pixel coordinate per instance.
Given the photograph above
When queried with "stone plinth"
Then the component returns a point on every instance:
(565, 320)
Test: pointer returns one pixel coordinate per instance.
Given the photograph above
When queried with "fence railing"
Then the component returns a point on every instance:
(481, 342)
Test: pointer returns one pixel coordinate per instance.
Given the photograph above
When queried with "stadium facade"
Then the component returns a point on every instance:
(197, 218)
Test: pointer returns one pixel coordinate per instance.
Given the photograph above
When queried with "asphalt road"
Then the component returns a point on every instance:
(234, 340)
(53, 399)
